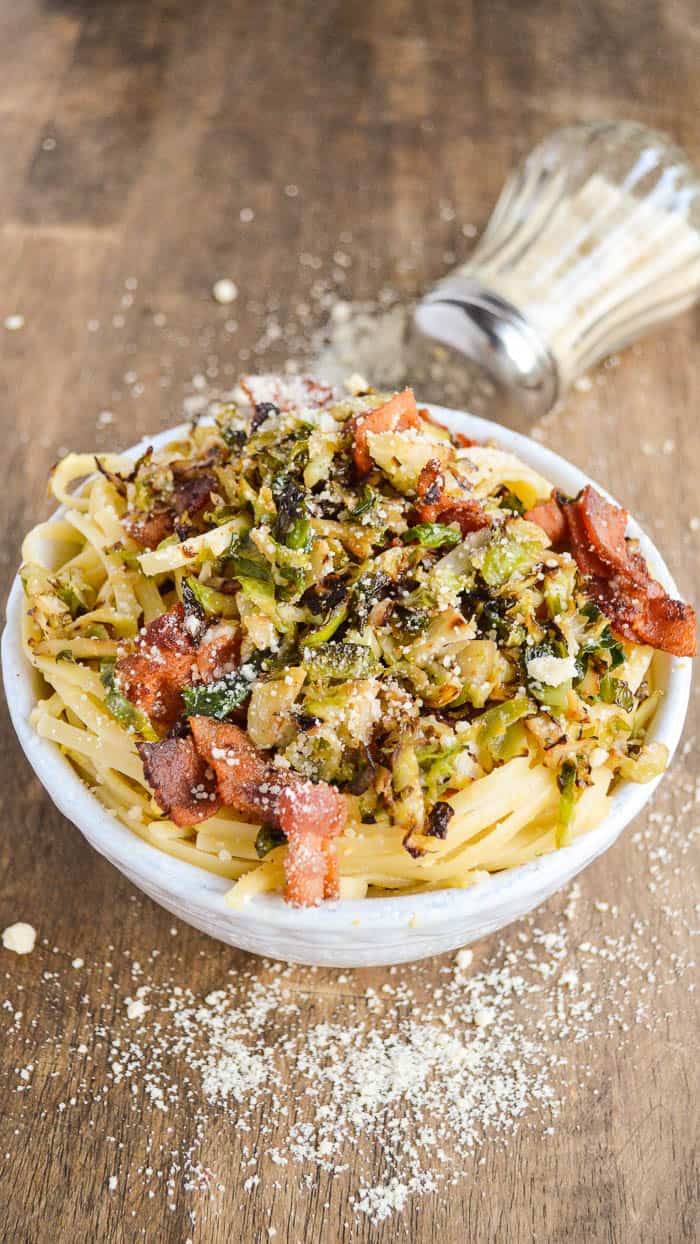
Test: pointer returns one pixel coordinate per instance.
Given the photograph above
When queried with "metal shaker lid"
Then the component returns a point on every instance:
(485, 330)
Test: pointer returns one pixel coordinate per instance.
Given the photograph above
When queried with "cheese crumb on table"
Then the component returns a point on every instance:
(225, 290)
(135, 1008)
(472, 1058)
(19, 937)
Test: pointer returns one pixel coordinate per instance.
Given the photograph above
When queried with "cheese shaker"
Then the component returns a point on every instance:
(595, 240)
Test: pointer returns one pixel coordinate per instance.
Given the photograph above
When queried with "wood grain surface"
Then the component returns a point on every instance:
(132, 137)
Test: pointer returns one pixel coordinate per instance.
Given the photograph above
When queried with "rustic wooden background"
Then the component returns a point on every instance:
(132, 135)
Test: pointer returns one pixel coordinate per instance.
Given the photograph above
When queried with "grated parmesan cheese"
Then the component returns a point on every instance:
(19, 937)
(429, 1071)
(551, 670)
(225, 290)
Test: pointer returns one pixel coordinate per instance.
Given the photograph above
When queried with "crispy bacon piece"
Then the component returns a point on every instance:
(152, 677)
(311, 808)
(245, 779)
(668, 624)
(644, 613)
(193, 485)
(618, 579)
(467, 514)
(310, 870)
(182, 784)
(638, 607)
(600, 529)
(311, 815)
(191, 497)
(549, 516)
(167, 632)
(399, 413)
(620, 601)
(289, 392)
(192, 494)
(219, 652)
(431, 482)
(149, 529)
(435, 506)
(584, 554)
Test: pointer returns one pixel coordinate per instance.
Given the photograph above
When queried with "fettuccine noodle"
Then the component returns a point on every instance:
(503, 791)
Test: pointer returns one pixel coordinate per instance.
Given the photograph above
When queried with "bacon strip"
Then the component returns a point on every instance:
(311, 814)
(618, 579)
(180, 780)
(149, 529)
(603, 526)
(468, 515)
(668, 624)
(190, 496)
(152, 677)
(638, 607)
(435, 506)
(244, 778)
(219, 651)
(399, 413)
(192, 493)
(550, 518)
(193, 485)
(431, 483)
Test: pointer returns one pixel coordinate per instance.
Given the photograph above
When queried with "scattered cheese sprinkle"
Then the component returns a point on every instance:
(455, 1061)
(19, 937)
(135, 1008)
(225, 290)
(356, 384)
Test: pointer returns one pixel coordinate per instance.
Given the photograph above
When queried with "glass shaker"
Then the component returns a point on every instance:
(594, 240)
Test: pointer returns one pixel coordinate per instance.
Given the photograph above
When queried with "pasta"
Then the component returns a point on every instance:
(318, 646)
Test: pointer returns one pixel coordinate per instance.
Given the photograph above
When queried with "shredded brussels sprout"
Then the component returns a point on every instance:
(389, 617)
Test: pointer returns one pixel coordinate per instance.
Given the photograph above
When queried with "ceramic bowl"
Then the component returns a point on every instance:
(350, 933)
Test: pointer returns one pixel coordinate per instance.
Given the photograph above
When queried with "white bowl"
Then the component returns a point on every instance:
(351, 933)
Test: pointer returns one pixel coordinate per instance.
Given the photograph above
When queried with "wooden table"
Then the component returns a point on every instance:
(171, 144)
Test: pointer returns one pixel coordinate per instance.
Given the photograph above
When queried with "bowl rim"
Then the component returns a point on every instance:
(161, 874)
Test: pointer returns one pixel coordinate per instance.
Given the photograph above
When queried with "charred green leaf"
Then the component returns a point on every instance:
(438, 820)
(432, 535)
(268, 837)
(219, 699)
